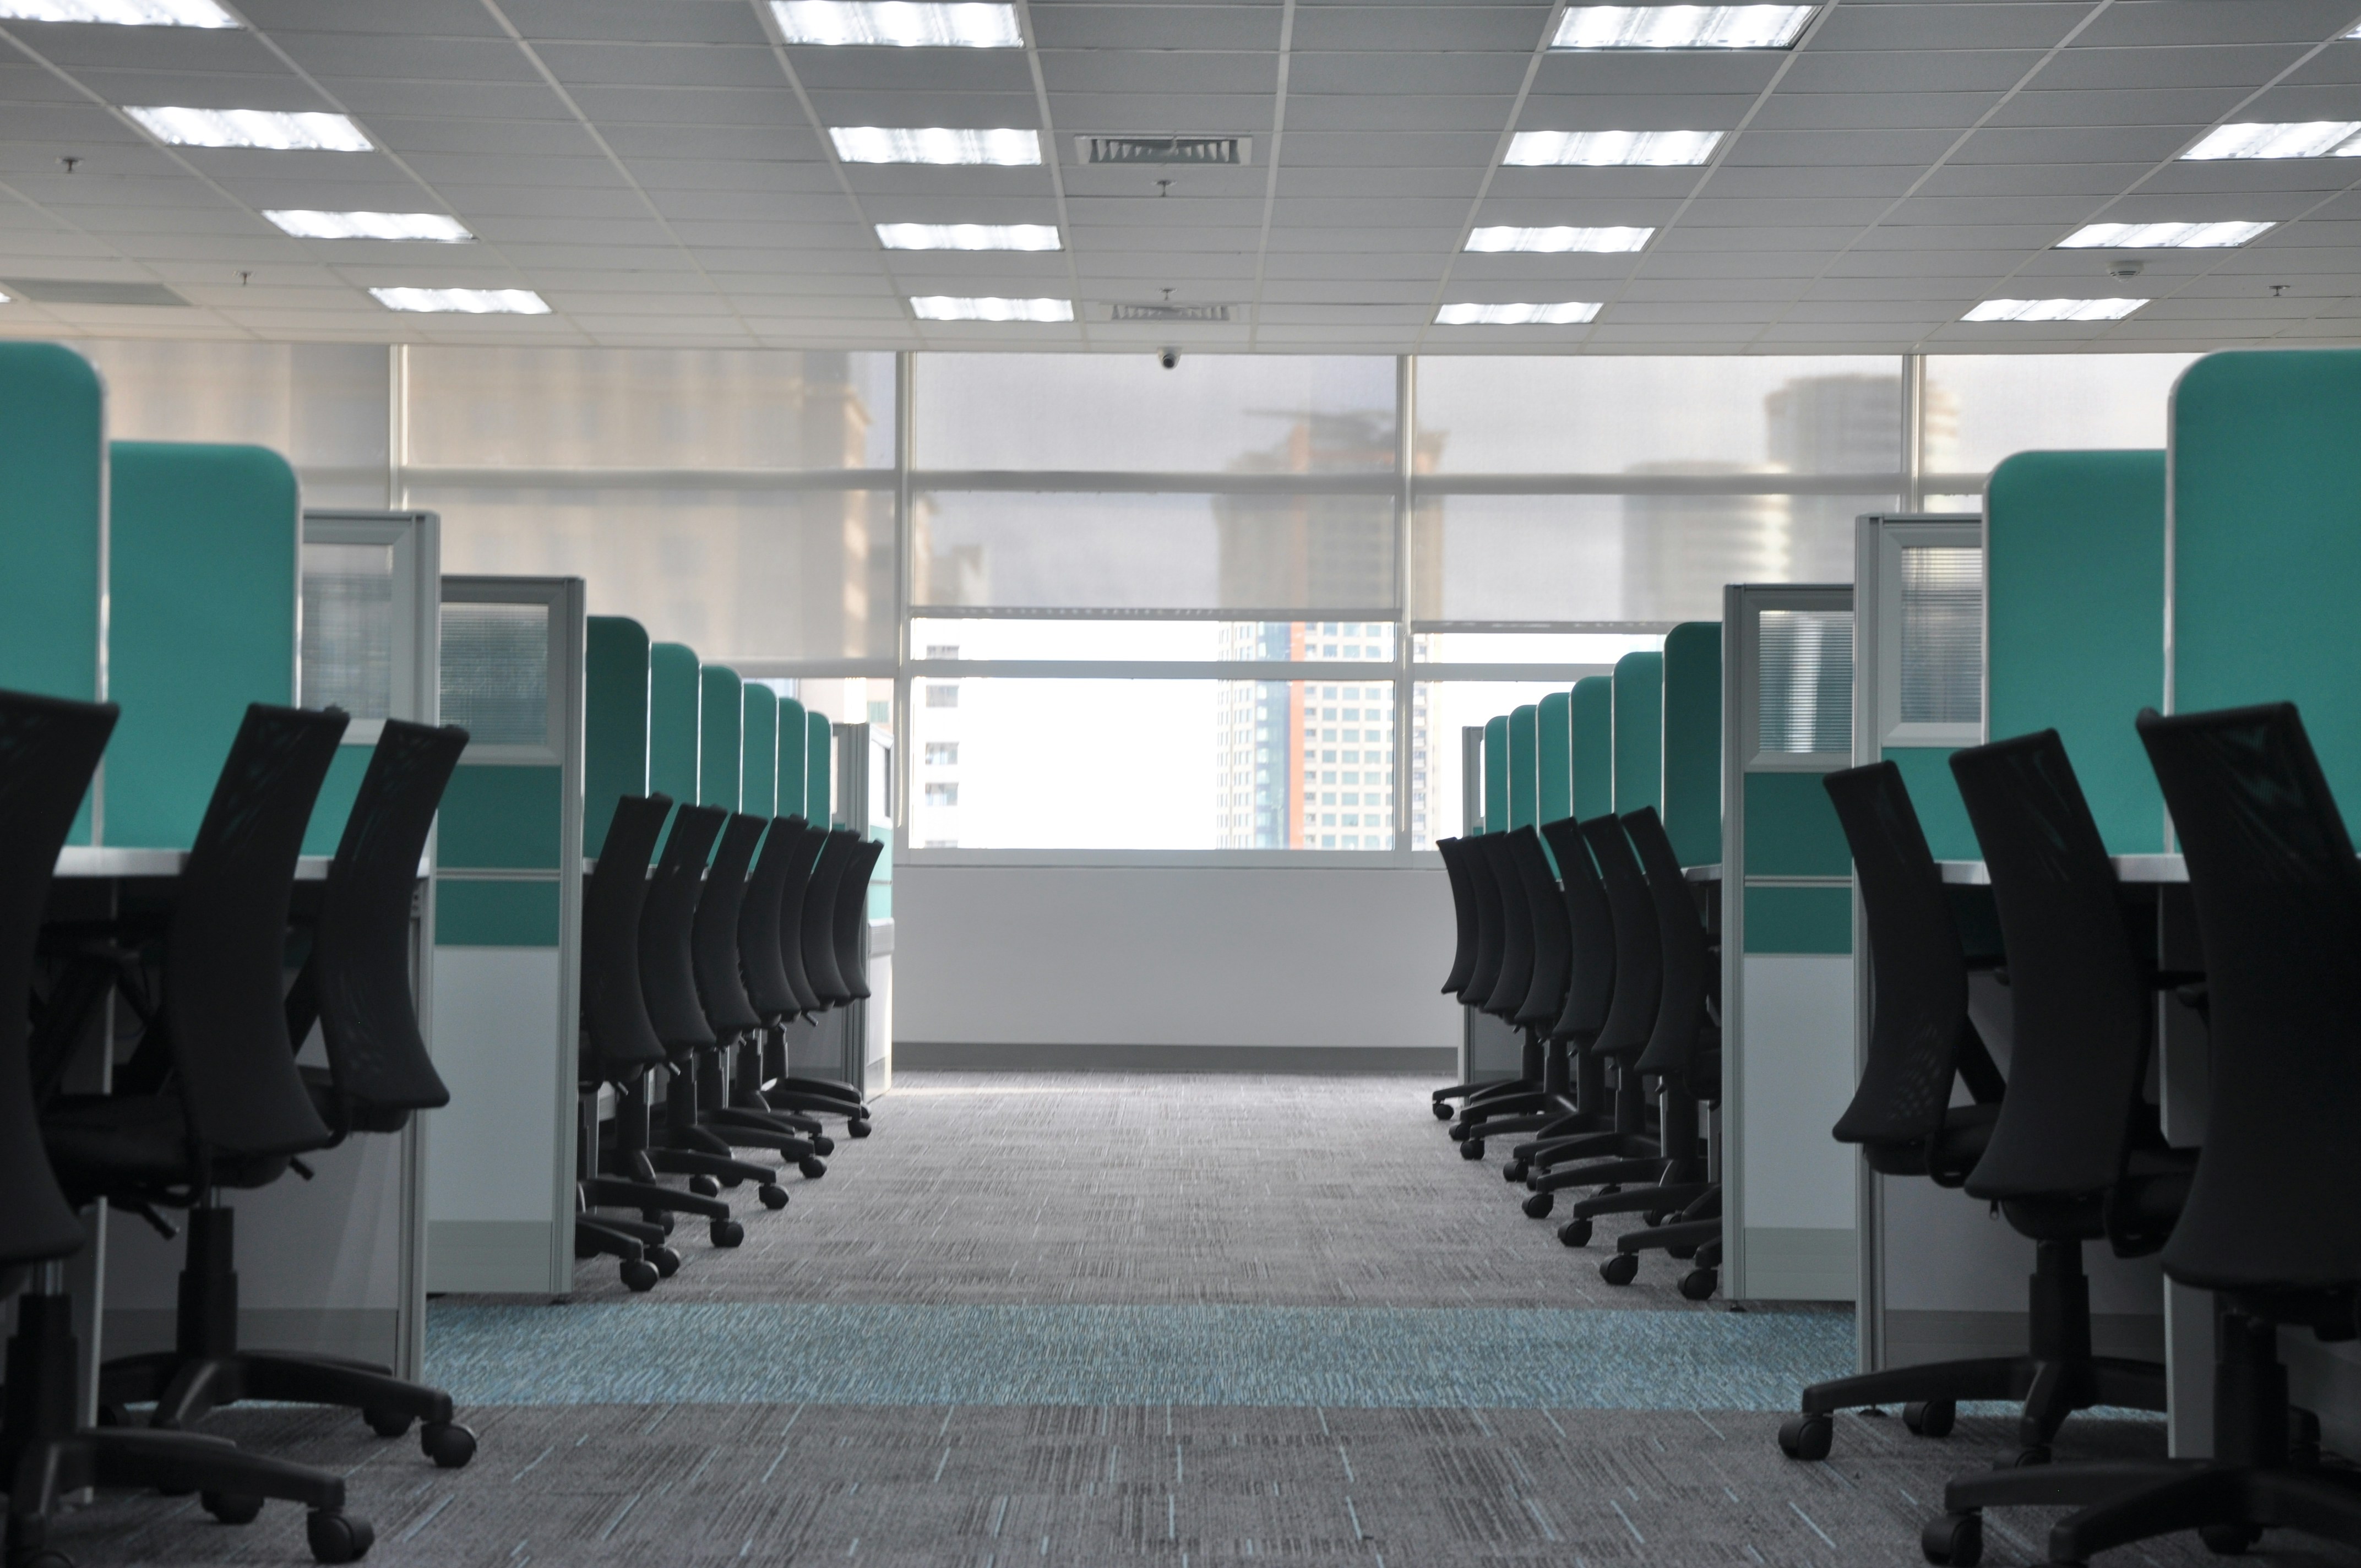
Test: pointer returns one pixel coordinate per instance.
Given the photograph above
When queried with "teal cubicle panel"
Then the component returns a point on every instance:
(614, 722)
(1553, 757)
(1523, 766)
(2074, 621)
(1497, 768)
(795, 741)
(720, 746)
(1591, 711)
(2265, 540)
(1692, 745)
(1639, 731)
(53, 527)
(674, 699)
(758, 775)
(204, 552)
(819, 769)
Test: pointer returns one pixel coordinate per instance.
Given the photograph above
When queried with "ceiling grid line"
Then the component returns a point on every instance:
(1052, 161)
(1270, 168)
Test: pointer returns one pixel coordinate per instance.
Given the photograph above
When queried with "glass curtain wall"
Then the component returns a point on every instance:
(1242, 606)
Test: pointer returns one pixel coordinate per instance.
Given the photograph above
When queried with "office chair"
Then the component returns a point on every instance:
(1454, 852)
(852, 919)
(1920, 1040)
(1511, 984)
(718, 971)
(1491, 951)
(235, 1115)
(1588, 1106)
(2269, 1225)
(772, 966)
(356, 986)
(1683, 1055)
(1536, 1013)
(620, 1050)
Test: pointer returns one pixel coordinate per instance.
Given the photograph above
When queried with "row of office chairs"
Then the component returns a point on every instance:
(2070, 1152)
(213, 1099)
(1588, 937)
(700, 970)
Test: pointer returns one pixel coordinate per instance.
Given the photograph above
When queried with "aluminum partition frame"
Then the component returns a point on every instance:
(416, 540)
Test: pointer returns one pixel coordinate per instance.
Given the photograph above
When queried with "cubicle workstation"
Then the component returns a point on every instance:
(1639, 731)
(1590, 711)
(1553, 760)
(507, 936)
(1490, 1047)
(1788, 1059)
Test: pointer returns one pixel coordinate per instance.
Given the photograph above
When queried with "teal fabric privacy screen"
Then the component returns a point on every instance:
(1553, 757)
(795, 741)
(1691, 700)
(1591, 712)
(53, 526)
(1523, 774)
(2074, 638)
(1497, 770)
(720, 737)
(758, 775)
(1639, 731)
(674, 698)
(615, 722)
(819, 769)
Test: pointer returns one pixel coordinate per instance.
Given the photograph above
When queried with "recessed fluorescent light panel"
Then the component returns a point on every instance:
(2161, 236)
(898, 24)
(2053, 309)
(1609, 240)
(252, 128)
(304, 223)
(968, 236)
(935, 144)
(2303, 139)
(121, 12)
(945, 308)
(465, 302)
(1602, 150)
(1681, 27)
(1571, 312)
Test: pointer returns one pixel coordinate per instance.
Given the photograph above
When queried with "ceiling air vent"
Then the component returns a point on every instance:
(1168, 312)
(84, 292)
(1164, 149)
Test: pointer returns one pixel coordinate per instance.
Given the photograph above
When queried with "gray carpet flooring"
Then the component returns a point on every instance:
(950, 1351)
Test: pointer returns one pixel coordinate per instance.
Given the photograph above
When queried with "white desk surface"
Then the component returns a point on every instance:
(95, 862)
(2128, 868)
(1703, 874)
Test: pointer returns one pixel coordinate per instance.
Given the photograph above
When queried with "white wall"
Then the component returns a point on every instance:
(1173, 955)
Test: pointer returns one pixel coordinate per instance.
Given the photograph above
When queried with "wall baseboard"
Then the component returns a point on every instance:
(952, 1056)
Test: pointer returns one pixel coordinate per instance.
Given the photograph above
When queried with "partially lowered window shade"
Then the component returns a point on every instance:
(1942, 634)
(496, 672)
(348, 629)
(1804, 694)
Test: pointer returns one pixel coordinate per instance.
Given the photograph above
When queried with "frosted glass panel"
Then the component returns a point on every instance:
(348, 629)
(496, 672)
(1211, 413)
(1612, 414)
(1983, 407)
(650, 407)
(1804, 682)
(1173, 551)
(1942, 634)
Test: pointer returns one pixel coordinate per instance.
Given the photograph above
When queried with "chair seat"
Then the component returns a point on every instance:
(1951, 1155)
(320, 1083)
(102, 1144)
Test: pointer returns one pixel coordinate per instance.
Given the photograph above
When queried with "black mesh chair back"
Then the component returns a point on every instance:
(759, 958)
(2079, 994)
(1918, 1008)
(1516, 976)
(1639, 949)
(795, 892)
(224, 961)
(1683, 1012)
(1491, 945)
(619, 1040)
(820, 918)
(1590, 931)
(1463, 908)
(49, 749)
(358, 977)
(668, 921)
(1552, 943)
(853, 919)
(713, 936)
(2278, 900)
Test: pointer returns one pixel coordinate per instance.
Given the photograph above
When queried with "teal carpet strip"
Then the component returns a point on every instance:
(768, 1352)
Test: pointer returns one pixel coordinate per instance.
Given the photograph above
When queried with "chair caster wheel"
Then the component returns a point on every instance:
(1610, 1190)
(1808, 1436)
(1515, 1171)
(1442, 1110)
(813, 1166)
(727, 1232)
(2026, 1458)
(1683, 1253)
(732, 1184)
(822, 1143)
(338, 1537)
(773, 1195)
(858, 1129)
(640, 1274)
(2228, 1540)
(448, 1444)
(667, 1261)
(1538, 1206)
(1472, 1149)
(386, 1423)
(1930, 1417)
(659, 1218)
(1698, 1284)
(1620, 1270)
(705, 1186)
(232, 1508)
(1459, 1131)
(1574, 1231)
(1955, 1541)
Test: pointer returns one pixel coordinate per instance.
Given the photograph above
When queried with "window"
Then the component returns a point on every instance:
(1982, 407)
(1942, 606)
(942, 694)
(942, 795)
(1804, 703)
(942, 754)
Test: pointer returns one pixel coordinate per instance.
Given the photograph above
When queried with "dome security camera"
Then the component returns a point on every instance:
(1167, 358)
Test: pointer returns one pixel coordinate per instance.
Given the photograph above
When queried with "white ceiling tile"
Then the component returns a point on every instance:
(1871, 111)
